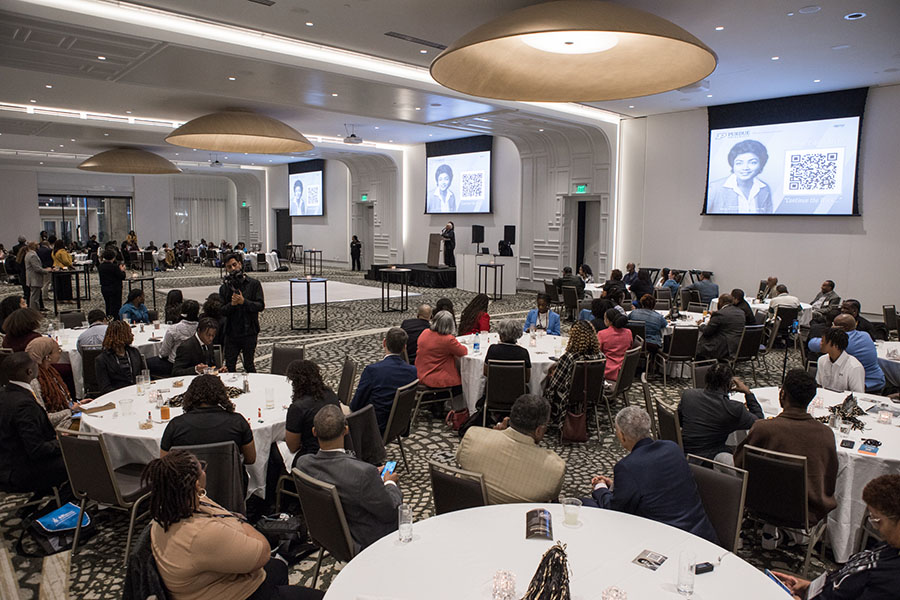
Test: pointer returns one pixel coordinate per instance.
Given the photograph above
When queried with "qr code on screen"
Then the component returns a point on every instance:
(472, 185)
(312, 195)
(816, 171)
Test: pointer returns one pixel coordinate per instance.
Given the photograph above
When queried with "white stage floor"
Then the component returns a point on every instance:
(277, 293)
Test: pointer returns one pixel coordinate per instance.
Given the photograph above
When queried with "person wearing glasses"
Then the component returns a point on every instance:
(873, 573)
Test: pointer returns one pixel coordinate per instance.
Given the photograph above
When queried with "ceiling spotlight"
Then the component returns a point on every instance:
(854, 16)
(71, 139)
(377, 127)
(61, 146)
(308, 24)
(40, 163)
(418, 108)
(629, 106)
(232, 78)
(127, 112)
(239, 131)
(334, 95)
(709, 95)
(808, 10)
(106, 134)
(540, 130)
(48, 86)
(423, 51)
(775, 57)
(101, 58)
(817, 80)
(129, 160)
(32, 100)
(720, 28)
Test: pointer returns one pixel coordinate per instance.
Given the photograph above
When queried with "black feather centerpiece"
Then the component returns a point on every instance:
(551, 580)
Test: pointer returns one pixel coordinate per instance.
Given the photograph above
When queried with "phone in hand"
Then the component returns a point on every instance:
(389, 467)
(780, 583)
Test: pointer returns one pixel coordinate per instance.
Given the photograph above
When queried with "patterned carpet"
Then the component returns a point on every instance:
(356, 328)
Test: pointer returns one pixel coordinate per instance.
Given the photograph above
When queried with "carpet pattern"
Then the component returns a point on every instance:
(356, 328)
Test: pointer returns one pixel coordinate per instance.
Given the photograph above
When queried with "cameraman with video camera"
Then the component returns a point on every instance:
(243, 300)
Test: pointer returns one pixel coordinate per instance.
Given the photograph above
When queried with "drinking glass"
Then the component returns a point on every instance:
(614, 593)
(141, 383)
(270, 398)
(405, 516)
(686, 562)
(571, 506)
(504, 586)
(126, 405)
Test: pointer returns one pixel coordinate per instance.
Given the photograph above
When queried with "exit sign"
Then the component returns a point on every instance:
(244, 204)
(364, 198)
(581, 188)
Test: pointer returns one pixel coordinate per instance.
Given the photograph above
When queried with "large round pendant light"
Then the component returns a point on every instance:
(573, 51)
(239, 131)
(133, 161)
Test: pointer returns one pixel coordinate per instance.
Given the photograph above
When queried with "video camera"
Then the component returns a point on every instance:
(235, 279)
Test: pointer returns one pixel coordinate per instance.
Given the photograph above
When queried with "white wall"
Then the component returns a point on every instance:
(661, 198)
(153, 208)
(19, 202)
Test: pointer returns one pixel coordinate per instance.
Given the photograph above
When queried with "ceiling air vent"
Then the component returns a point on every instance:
(263, 2)
(415, 40)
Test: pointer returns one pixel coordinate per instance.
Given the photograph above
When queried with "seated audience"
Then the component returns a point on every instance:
(508, 348)
(870, 574)
(826, 297)
(173, 309)
(795, 431)
(196, 354)
(30, 458)
(134, 311)
(708, 290)
(438, 353)
(653, 481)
(9, 305)
(202, 551)
(379, 381)
(861, 347)
(120, 363)
(783, 298)
(414, 328)
(836, 369)
(586, 274)
(209, 418)
(614, 341)
(852, 307)
(708, 416)
(640, 287)
(50, 389)
(630, 275)
(613, 284)
(737, 298)
(767, 291)
(542, 318)
(514, 466)
(672, 283)
(721, 337)
(92, 337)
(21, 327)
(370, 504)
(309, 394)
(582, 345)
(185, 328)
(213, 308)
(594, 316)
(445, 304)
(569, 280)
(654, 323)
(475, 317)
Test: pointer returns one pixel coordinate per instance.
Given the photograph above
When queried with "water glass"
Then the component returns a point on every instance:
(126, 405)
(686, 562)
(146, 374)
(885, 417)
(405, 518)
(141, 383)
(504, 586)
(270, 398)
(571, 506)
(614, 593)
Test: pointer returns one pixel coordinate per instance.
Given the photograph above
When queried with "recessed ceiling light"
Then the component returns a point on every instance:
(540, 130)
(308, 24)
(61, 146)
(854, 16)
(376, 127)
(720, 28)
(789, 14)
(817, 80)
(334, 95)
(225, 157)
(40, 163)
(775, 57)
(101, 58)
(808, 10)
(840, 47)
(232, 78)
(71, 139)
(423, 51)
(32, 100)
(176, 154)
(430, 135)
(391, 141)
(631, 106)
(48, 86)
(127, 112)
(52, 150)
(193, 149)
(709, 95)
(270, 160)
(418, 108)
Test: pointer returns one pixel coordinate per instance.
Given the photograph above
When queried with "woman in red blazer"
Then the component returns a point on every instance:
(474, 317)
(437, 353)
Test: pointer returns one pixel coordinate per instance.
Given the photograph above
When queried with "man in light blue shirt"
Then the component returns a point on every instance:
(708, 290)
(92, 337)
(861, 347)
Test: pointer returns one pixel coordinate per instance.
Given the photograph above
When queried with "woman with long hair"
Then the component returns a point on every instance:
(9, 305)
(174, 300)
(586, 274)
(20, 328)
(49, 387)
(62, 260)
(202, 551)
(309, 395)
(134, 309)
(474, 317)
(582, 346)
(120, 363)
(614, 341)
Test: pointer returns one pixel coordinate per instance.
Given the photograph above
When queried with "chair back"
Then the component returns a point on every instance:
(889, 311)
(551, 291)
(695, 296)
(638, 330)
(685, 298)
(769, 470)
(648, 406)
(699, 369)
(72, 319)
(401, 411)
(696, 307)
(787, 314)
(662, 293)
(365, 439)
(664, 303)
(722, 489)
(261, 264)
(774, 327)
(454, 489)
(152, 314)
(812, 367)
(669, 424)
(748, 348)
(587, 382)
(505, 382)
(89, 371)
(90, 470)
(324, 516)
(570, 297)
(684, 343)
(282, 356)
(225, 473)
(218, 355)
(629, 367)
(760, 317)
(348, 374)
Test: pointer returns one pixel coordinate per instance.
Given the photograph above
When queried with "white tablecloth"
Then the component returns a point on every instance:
(804, 317)
(686, 319)
(855, 470)
(471, 366)
(127, 443)
(480, 541)
(890, 366)
(147, 343)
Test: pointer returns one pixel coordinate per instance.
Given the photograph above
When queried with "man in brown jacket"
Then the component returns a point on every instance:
(795, 431)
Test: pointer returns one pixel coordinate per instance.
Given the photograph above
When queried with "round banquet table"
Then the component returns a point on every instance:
(127, 443)
(889, 360)
(855, 470)
(685, 319)
(471, 366)
(147, 342)
(455, 556)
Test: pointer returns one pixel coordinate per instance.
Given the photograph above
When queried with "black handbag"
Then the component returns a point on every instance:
(575, 426)
(287, 536)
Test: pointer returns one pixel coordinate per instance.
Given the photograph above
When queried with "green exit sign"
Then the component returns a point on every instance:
(244, 204)
(581, 188)
(364, 198)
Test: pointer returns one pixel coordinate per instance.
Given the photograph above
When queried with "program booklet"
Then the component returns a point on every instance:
(649, 559)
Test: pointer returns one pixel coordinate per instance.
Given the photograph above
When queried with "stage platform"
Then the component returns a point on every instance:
(422, 275)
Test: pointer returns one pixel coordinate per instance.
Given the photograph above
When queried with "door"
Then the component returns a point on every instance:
(589, 230)
(283, 232)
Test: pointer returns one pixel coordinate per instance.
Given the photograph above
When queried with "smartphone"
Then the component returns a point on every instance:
(779, 582)
(389, 467)
(76, 415)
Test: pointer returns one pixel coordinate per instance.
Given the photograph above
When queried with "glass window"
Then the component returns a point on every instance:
(77, 218)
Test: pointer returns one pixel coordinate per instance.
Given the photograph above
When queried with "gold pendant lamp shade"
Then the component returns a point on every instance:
(573, 51)
(129, 160)
(239, 131)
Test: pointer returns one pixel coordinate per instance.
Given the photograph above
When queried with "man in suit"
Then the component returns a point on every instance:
(370, 504)
(767, 288)
(514, 466)
(35, 277)
(542, 317)
(737, 298)
(112, 274)
(196, 353)
(379, 382)
(653, 481)
(630, 274)
(708, 290)
(569, 280)
(826, 297)
(414, 328)
(795, 431)
(243, 300)
(721, 337)
(30, 458)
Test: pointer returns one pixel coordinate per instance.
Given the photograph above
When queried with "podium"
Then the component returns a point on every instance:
(434, 250)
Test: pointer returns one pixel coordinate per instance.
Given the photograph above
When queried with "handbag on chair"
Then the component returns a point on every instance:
(575, 426)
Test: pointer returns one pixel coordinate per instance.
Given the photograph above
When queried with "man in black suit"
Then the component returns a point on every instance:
(737, 297)
(243, 300)
(196, 353)
(111, 274)
(653, 481)
(370, 504)
(569, 280)
(30, 458)
(721, 337)
(379, 381)
(414, 328)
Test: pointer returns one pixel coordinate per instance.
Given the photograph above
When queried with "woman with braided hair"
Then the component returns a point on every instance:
(202, 551)
(582, 346)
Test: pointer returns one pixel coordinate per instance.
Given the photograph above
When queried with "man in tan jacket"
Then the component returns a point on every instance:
(514, 467)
